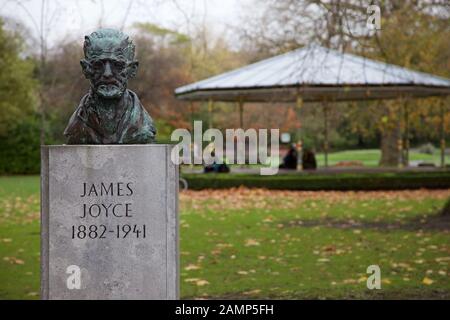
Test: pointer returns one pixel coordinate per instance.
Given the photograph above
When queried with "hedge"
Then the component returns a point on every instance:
(20, 149)
(342, 181)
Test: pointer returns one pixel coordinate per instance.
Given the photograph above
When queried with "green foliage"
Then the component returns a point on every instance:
(164, 130)
(367, 181)
(19, 127)
(20, 148)
(427, 148)
(175, 38)
(17, 86)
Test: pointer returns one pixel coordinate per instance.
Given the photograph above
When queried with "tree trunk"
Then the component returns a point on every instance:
(390, 152)
(445, 211)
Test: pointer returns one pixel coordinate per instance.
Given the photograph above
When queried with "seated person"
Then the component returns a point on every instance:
(290, 159)
(217, 167)
(309, 160)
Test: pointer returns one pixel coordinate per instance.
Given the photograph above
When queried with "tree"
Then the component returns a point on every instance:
(414, 34)
(17, 86)
(19, 134)
(180, 59)
(445, 211)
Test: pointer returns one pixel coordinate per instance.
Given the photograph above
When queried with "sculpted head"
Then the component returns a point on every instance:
(109, 62)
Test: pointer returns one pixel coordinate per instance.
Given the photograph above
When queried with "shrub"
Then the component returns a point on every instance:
(369, 181)
(427, 148)
(20, 152)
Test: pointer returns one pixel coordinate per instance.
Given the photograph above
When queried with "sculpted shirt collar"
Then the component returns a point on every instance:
(135, 126)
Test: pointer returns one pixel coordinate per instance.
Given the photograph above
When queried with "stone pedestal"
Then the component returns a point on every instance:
(109, 222)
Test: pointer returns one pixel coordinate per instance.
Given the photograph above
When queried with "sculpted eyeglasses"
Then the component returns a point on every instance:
(115, 65)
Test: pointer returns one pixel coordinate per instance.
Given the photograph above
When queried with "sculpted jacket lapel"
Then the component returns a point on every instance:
(137, 125)
(134, 127)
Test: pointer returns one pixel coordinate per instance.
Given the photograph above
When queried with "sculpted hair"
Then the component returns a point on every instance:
(110, 41)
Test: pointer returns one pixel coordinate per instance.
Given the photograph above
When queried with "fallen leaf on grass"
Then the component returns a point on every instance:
(252, 292)
(362, 279)
(427, 281)
(13, 260)
(192, 267)
(202, 283)
(349, 281)
(251, 242)
(197, 281)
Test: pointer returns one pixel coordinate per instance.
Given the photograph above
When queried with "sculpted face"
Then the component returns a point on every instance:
(108, 78)
(109, 62)
(109, 113)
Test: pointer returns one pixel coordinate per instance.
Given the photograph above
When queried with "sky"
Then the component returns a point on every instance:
(75, 18)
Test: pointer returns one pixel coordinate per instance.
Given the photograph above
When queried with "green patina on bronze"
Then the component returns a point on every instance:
(109, 113)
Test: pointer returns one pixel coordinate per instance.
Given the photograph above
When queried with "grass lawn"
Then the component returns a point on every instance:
(19, 237)
(368, 157)
(371, 157)
(242, 243)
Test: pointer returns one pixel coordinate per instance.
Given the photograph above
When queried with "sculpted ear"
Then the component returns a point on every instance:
(132, 69)
(86, 68)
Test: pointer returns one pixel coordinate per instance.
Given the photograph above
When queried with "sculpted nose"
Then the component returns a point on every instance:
(107, 72)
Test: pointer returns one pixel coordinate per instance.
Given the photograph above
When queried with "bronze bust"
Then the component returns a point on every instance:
(109, 113)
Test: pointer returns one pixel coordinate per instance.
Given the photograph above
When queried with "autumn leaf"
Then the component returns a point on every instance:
(251, 242)
(192, 267)
(362, 279)
(13, 260)
(201, 283)
(252, 292)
